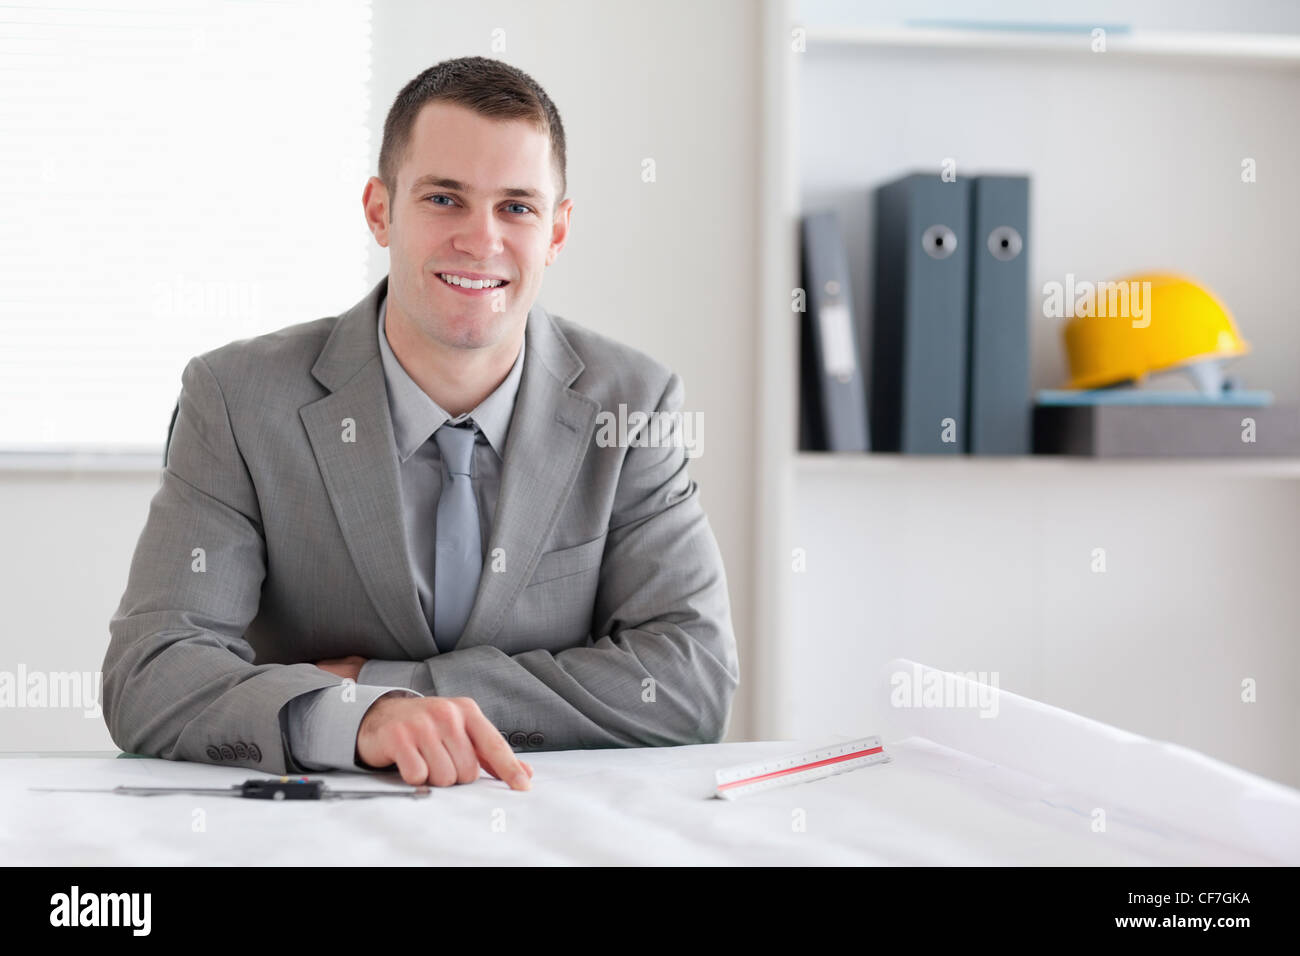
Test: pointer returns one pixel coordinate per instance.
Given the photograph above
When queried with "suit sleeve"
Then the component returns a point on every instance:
(662, 667)
(179, 677)
(323, 726)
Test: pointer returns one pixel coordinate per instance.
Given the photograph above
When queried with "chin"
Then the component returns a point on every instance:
(471, 335)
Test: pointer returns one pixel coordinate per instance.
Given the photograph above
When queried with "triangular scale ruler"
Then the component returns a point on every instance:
(740, 781)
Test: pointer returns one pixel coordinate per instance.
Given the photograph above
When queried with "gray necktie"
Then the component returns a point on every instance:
(458, 559)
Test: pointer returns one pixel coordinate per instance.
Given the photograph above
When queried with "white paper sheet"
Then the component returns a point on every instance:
(930, 806)
(1162, 785)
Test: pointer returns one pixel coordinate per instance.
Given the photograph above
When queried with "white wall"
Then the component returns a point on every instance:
(68, 540)
(666, 267)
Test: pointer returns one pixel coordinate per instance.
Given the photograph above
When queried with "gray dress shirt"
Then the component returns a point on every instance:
(323, 724)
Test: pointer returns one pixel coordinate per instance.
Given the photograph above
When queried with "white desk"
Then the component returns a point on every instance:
(930, 805)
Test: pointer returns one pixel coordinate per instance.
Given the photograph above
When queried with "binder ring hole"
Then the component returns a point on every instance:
(939, 242)
(1005, 243)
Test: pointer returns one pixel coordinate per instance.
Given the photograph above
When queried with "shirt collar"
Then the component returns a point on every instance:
(416, 416)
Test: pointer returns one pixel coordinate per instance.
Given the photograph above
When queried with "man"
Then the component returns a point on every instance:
(393, 538)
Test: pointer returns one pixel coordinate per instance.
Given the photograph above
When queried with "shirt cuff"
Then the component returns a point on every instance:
(413, 675)
(323, 725)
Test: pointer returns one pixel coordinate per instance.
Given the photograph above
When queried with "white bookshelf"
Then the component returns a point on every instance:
(1044, 467)
(799, 494)
(1259, 48)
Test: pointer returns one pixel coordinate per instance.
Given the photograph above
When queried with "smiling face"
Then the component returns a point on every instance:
(473, 198)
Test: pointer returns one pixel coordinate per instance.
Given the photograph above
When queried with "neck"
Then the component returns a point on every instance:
(457, 379)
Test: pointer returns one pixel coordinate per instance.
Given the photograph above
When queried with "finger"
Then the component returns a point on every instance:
(412, 766)
(457, 744)
(483, 763)
(524, 763)
(442, 770)
(493, 751)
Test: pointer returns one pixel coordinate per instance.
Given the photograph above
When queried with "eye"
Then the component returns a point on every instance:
(522, 206)
(438, 196)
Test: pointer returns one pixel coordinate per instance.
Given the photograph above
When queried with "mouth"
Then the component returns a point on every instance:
(472, 283)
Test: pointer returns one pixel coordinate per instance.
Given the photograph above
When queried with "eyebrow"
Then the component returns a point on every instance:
(424, 182)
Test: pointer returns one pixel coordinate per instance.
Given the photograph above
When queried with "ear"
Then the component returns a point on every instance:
(559, 230)
(374, 201)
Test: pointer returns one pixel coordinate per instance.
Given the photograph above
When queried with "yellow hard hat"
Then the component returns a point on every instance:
(1173, 321)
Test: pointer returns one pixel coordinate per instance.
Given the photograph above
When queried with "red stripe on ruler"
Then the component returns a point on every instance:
(801, 768)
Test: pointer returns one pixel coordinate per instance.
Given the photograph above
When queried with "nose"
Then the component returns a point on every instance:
(479, 235)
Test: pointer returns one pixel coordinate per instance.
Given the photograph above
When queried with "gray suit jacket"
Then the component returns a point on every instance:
(276, 539)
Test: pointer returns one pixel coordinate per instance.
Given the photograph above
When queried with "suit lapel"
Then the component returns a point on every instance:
(361, 475)
(550, 431)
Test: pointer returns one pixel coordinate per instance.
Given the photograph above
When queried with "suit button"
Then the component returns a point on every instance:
(240, 750)
(536, 740)
(254, 753)
(518, 739)
(227, 752)
(213, 754)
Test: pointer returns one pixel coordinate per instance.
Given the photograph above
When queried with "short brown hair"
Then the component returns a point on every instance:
(488, 87)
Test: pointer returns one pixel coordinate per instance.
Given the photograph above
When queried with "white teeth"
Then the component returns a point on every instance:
(453, 279)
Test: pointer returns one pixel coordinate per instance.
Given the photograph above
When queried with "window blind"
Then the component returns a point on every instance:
(173, 176)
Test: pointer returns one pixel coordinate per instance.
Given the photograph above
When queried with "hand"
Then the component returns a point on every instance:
(349, 667)
(437, 740)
